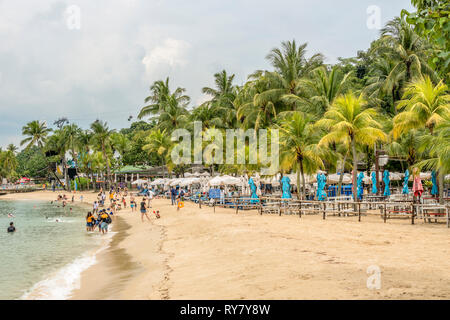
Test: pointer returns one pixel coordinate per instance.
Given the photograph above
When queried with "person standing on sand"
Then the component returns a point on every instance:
(144, 210)
(173, 194)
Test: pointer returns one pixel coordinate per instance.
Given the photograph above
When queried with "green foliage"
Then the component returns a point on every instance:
(32, 163)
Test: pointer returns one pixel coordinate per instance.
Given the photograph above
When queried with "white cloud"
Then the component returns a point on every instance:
(171, 52)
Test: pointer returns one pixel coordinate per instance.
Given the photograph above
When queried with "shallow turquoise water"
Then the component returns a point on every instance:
(41, 246)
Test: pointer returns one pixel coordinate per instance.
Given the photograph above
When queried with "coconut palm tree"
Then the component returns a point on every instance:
(36, 133)
(251, 112)
(101, 140)
(174, 115)
(299, 148)
(349, 119)
(222, 97)
(158, 142)
(290, 66)
(318, 92)
(404, 46)
(438, 148)
(424, 105)
(160, 94)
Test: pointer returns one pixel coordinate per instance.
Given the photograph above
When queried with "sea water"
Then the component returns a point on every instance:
(44, 258)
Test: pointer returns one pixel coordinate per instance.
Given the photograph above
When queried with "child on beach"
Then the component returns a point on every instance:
(132, 204)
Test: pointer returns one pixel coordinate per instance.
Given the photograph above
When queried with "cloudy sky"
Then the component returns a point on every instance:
(53, 64)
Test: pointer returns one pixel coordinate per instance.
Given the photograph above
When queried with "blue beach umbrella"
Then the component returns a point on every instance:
(434, 190)
(321, 182)
(405, 183)
(286, 186)
(374, 183)
(387, 191)
(254, 196)
(359, 182)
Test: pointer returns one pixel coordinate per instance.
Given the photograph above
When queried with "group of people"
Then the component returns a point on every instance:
(101, 220)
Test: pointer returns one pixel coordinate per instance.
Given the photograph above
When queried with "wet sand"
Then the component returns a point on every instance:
(198, 254)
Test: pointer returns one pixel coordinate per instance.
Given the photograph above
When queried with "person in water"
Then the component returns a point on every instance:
(90, 222)
(105, 221)
(11, 228)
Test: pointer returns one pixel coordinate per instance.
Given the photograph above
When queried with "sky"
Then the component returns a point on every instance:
(88, 60)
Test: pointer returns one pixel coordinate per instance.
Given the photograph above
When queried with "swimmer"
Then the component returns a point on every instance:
(11, 228)
(10, 215)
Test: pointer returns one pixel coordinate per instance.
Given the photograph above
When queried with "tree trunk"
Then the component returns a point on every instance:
(441, 178)
(298, 182)
(302, 171)
(355, 169)
(341, 177)
(108, 169)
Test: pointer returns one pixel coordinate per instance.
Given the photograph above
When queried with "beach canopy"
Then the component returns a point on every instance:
(387, 191)
(334, 178)
(405, 183)
(189, 181)
(158, 182)
(224, 180)
(140, 181)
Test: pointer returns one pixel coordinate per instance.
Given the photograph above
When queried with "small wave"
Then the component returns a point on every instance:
(60, 285)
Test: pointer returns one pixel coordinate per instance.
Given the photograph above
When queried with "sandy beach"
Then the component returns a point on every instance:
(198, 254)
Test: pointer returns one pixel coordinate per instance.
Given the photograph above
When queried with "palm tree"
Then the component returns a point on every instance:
(404, 46)
(251, 112)
(290, 66)
(101, 138)
(173, 116)
(318, 92)
(299, 148)
(158, 142)
(424, 104)
(36, 133)
(349, 119)
(160, 94)
(438, 148)
(223, 96)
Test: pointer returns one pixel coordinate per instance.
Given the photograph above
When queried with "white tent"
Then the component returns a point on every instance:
(158, 182)
(140, 181)
(224, 180)
(334, 178)
(189, 181)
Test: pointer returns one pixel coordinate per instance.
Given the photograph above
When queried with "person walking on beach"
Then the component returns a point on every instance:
(11, 228)
(132, 204)
(144, 210)
(95, 207)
